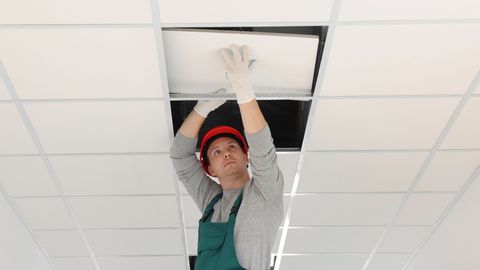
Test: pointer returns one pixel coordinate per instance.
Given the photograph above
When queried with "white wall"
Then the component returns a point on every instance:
(18, 250)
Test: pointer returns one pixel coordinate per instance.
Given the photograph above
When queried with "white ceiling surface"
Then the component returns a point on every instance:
(92, 105)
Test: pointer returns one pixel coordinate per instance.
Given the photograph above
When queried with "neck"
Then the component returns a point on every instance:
(234, 181)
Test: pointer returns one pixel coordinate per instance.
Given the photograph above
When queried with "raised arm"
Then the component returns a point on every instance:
(263, 158)
(182, 154)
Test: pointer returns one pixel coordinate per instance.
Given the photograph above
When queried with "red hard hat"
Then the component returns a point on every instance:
(217, 132)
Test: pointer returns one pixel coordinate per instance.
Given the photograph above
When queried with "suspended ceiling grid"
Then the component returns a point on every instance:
(392, 141)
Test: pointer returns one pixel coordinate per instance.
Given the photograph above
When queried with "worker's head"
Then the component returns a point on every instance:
(224, 152)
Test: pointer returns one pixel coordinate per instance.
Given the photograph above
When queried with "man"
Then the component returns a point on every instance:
(241, 216)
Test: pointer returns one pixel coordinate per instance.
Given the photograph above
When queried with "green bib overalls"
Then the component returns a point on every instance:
(216, 247)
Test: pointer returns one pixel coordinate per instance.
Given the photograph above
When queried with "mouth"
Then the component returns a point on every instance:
(230, 162)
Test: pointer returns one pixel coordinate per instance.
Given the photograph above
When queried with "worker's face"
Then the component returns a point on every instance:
(226, 157)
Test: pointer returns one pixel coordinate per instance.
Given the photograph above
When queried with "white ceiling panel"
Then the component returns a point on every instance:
(81, 63)
(478, 89)
(359, 172)
(449, 170)
(324, 261)
(388, 261)
(4, 94)
(85, 127)
(465, 132)
(344, 209)
(188, 52)
(45, 213)
(74, 11)
(216, 11)
(126, 212)
(72, 263)
(135, 242)
(402, 59)
(424, 209)
(192, 241)
(354, 124)
(14, 138)
(367, 10)
(332, 239)
(62, 243)
(115, 174)
(26, 176)
(190, 211)
(403, 239)
(142, 263)
(288, 162)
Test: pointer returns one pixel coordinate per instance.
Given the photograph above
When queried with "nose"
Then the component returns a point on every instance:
(227, 154)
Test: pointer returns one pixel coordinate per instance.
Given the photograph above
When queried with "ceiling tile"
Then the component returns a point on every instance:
(62, 243)
(192, 241)
(72, 263)
(45, 213)
(449, 170)
(332, 239)
(86, 127)
(465, 131)
(143, 263)
(126, 212)
(190, 211)
(26, 176)
(216, 11)
(424, 209)
(324, 261)
(114, 174)
(367, 10)
(403, 239)
(278, 238)
(187, 53)
(288, 162)
(14, 138)
(410, 59)
(356, 124)
(74, 12)
(359, 172)
(478, 89)
(135, 242)
(389, 261)
(82, 63)
(344, 209)
(4, 94)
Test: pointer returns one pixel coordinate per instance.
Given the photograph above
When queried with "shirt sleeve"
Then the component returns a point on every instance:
(267, 176)
(190, 172)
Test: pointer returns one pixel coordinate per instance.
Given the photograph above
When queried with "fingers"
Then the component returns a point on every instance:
(226, 58)
(245, 54)
(236, 54)
(238, 58)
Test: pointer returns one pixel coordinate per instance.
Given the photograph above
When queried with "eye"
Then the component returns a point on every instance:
(216, 152)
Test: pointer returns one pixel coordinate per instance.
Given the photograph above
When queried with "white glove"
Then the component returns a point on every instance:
(238, 73)
(204, 107)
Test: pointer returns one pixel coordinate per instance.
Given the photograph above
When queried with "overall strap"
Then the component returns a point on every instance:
(237, 204)
(209, 209)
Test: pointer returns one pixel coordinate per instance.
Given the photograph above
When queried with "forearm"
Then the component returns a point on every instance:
(252, 117)
(191, 125)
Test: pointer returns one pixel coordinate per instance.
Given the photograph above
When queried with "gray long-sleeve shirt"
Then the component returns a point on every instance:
(261, 211)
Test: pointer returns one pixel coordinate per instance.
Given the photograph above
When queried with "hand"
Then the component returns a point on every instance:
(238, 73)
(204, 107)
